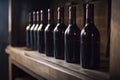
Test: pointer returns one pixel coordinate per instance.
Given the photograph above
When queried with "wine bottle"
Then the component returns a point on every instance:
(49, 50)
(72, 38)
(41, 43)
(28, 30)
(32, 31)
(90, 41)
(59, 35)
(35, 30)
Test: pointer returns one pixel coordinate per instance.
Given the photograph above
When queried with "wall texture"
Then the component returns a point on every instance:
(3, 39)
(101, 17)
(19, 17)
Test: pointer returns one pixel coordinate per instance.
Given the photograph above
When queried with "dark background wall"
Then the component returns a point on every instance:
(100, 19)
(3, 39)
(20, 9)
(19, 18)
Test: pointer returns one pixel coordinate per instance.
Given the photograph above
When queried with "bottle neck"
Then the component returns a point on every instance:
(41, 16)
(50, 16)
(38, 17)
(89, 13)
(34, 18)
(30, 18)
(60, 15)
(72, 15)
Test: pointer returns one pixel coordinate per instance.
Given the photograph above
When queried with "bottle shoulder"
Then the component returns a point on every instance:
(32, 27)
(36, 27)
(41, 27)
(28, 27)
(72, 29)
(49, 27)
(90, 27)
(90, 31)
(59, 27)
(73, 33)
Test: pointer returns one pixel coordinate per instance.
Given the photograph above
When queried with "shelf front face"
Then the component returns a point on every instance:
(51, 68)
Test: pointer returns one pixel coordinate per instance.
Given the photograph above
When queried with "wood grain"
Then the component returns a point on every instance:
(115, 41)
(49, 68)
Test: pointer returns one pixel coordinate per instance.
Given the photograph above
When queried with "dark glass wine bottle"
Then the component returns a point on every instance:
(28, 31)
(90, 41)
(41, 42)
(32, 31)
(72, 38)
(35, 30)
(49, 50)
(59, 35)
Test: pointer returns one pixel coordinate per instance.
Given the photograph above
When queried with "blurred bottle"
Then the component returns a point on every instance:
(72, 38)
(32, 31)
(59, 35)
(28, 43)
(41, 41)
(90, 41)
(35, 29)
(49, 50)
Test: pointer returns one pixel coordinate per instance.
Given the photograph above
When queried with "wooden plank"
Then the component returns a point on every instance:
(75, 68)
(115, 41)
(38, 77)
(52, 69)
(10, 69)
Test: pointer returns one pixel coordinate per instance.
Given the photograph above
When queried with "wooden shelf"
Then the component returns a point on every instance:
(40, 66)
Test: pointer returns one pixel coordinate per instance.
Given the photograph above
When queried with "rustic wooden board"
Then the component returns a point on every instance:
(115, 41)
(51, 68)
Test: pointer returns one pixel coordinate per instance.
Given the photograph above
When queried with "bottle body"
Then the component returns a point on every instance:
(58, 35)
(59, 41)
(32, 36)
(35, 30)
(49, 47)
(72, 44)
(49, 51)
(28, 35)
(72, 40)
(32, 32)
(90, 41)
(41, 43)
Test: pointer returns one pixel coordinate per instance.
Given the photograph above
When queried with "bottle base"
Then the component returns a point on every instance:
(62, 58)
(69, 61)
(41, 52)
(91, 67)
(50, 55)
